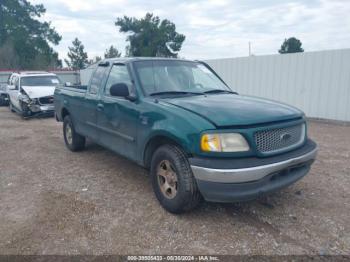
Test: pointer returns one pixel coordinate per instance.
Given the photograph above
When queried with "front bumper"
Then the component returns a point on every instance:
(248, 178)
(42, 108)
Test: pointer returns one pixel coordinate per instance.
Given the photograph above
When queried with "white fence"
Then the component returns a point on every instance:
(316, 82)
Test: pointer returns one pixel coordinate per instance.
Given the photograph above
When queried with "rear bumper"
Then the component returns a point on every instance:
(245, 183)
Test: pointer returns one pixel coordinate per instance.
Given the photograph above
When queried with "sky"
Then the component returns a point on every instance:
(213, 28)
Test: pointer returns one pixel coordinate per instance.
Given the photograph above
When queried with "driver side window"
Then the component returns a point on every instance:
(118, 74)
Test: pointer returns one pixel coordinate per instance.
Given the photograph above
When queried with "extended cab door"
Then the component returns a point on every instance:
(86, 114)
(117, 117)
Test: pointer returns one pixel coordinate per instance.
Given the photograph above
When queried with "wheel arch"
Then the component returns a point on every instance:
(64, 113)
(155, 142)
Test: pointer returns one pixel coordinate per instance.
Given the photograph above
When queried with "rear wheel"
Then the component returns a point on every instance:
(73, 140)
(172, 179)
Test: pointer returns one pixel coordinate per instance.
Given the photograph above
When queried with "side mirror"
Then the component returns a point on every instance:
(11, 87)
(67, 84)
(120, 89)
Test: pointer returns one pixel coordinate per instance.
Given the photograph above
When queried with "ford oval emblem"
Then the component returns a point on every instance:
(285, 137)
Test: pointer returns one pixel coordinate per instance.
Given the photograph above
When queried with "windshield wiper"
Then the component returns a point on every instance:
(216, 91)
(175, 93)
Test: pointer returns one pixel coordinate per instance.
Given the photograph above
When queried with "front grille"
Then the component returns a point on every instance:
(278, 139)
(46, 100)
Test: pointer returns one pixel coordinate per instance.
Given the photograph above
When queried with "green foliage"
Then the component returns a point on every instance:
(291, 45)
(149, 36)
(95, 60)
(8, 56)
(26, 38)
(112, 52)
(78, 58)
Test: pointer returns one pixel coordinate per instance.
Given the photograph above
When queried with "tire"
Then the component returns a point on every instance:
(182, 194)
(72, 139)
(25, 111)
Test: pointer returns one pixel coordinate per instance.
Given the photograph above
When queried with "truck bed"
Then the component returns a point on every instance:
(66, 95)
(75, 87)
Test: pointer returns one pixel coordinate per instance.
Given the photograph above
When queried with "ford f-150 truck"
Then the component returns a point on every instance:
(197, 137)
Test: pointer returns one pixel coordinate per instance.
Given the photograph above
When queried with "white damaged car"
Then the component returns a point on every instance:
(31, 93)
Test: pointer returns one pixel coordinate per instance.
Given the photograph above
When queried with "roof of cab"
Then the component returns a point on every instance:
(131, 59)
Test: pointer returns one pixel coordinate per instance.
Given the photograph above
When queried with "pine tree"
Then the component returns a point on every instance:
(291, 45)
(150, 36)
(112, 52)
(78, 58)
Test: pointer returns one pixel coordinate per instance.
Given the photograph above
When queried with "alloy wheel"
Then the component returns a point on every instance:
(167, 179)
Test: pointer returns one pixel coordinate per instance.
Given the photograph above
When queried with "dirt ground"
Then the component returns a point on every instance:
(53, 201)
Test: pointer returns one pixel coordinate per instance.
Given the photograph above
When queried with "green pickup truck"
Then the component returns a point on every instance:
(197, 137)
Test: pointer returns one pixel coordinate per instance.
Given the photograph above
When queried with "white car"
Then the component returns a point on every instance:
(31, 93)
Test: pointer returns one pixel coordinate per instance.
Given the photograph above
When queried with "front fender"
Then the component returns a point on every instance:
(184, 143)
(173, 123)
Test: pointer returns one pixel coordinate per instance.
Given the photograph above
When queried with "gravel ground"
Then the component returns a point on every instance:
(53, 201)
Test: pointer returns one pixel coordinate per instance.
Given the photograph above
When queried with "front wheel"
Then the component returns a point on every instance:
(73, 140)
(25, 110)
(172, 179)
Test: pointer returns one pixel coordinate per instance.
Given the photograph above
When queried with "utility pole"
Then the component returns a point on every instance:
(250, 48)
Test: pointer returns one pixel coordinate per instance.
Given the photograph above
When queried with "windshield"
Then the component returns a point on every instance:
(171, 76)
(40, 81)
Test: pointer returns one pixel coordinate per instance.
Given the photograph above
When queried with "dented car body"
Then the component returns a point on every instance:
(31, 93)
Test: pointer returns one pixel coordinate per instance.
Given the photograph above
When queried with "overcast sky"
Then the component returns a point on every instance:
(213, 28)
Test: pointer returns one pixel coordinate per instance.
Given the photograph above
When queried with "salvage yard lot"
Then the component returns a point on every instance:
(53, 201)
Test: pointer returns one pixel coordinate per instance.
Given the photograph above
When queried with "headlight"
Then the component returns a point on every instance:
(34, 101)
(225, 142)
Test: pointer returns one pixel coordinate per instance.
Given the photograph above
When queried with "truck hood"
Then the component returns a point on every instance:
(39, 91)
(235, 110)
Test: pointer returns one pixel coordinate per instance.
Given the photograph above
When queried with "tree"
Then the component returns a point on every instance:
(28, 38)
(112, 52)
(78, 58)
(8, 56)
(95, 60)
(291, 45)
(149, 36)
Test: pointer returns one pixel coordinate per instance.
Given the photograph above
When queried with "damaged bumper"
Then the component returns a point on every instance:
(41, 108)
(35, 106)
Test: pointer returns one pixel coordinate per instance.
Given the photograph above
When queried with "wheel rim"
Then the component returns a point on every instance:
(69, 136)
(167, 179)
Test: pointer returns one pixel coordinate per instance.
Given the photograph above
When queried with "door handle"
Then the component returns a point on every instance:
(100, 107)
